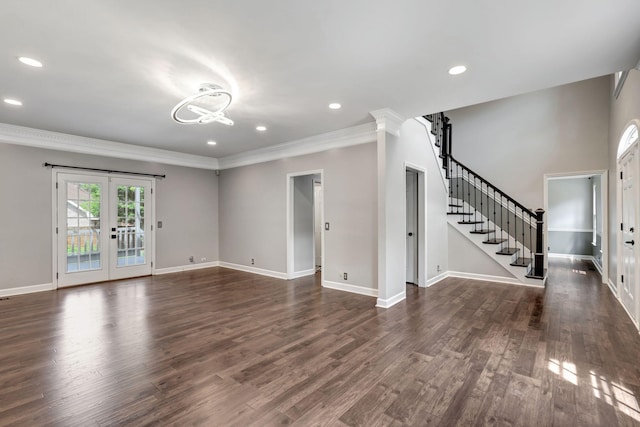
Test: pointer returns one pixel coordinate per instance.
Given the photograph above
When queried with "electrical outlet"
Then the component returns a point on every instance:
(438, 269)
(203, 259)
(191, 258)
(253, 261)
(344, 276)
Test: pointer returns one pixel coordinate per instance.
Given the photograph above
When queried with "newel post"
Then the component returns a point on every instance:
(538, 265)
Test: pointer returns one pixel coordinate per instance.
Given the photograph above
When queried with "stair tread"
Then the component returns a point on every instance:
(471, 222)
(482, 231)
(453, 205)
(460, 213)
(508, 251)
(494, 241)
(521, 262)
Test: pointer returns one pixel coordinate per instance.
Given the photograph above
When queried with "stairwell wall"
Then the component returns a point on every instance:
(513, 142)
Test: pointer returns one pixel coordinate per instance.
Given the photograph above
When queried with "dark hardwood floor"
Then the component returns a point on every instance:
(221, 347)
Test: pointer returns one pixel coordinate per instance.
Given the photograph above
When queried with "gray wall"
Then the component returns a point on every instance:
(303, 226)
(513, 142)
(570, 216)
(186, 201)
(253, 213)
(622, 111)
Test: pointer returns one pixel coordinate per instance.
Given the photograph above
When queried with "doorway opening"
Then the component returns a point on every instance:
(576, 217)
(415, 225)
(305, 224)
(628, 257)
(103, 228)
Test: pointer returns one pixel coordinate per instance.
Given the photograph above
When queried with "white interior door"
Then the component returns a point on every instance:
(103, 228)
(629, 288)
(412, 227)
(317, 222)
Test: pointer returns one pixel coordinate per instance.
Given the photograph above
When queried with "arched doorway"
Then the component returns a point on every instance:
(628, 216)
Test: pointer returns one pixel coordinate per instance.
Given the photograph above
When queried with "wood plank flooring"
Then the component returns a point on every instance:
(219, 347)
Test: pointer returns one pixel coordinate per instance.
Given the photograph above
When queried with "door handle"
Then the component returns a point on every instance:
(410, 234)
(630, 242)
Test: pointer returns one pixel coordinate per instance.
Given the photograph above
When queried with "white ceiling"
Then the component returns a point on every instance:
(114, 69)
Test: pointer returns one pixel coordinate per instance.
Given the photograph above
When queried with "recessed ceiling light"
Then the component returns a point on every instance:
(458, 69)
(211, 142)
(30, 61)
(12, 102)
(335, 106)
(261, 128)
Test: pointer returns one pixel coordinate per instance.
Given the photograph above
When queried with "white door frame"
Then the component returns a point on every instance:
(291, 273)
(604, 195)
(54, 215)
(422, 221)
(635, 317)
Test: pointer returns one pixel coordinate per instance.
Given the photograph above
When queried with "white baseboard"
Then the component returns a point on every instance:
(572, 256)
(612, 288)
(354, 289)
(255, 270)
(303, 273)
(187, 267)
(389, 302)
(437, 278)
(27, 290)
(488, 278)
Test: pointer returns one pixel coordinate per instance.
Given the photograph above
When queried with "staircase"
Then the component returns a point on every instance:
(503, 228)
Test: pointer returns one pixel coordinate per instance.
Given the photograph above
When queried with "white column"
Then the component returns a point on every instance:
(391, 269)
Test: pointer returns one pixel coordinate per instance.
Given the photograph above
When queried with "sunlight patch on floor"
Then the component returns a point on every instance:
(615, 395)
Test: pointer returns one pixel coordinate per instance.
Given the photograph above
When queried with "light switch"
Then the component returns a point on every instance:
(326, 226)
(159, 224)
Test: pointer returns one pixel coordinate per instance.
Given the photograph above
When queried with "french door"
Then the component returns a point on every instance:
(630, 236)
(103, 228)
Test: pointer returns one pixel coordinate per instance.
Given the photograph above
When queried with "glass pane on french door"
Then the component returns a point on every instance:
(84, 223)
(130, 227)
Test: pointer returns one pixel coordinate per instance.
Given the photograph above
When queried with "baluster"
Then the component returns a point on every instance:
(531, 245)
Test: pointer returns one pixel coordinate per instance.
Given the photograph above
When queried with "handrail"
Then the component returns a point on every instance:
(495, 188)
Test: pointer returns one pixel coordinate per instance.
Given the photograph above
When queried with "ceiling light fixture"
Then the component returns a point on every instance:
(30, 61)
(204, 115)
(261, 128)
(211, 142)
(335, 106)
(458, 69)
(13, 102)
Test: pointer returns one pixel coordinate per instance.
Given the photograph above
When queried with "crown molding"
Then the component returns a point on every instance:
(31, 137)
(355, 135)
(388, 120)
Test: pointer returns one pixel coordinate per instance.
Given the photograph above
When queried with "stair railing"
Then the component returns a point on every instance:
(519, 229)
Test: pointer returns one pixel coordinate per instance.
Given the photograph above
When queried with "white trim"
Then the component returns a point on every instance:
(571, 256)
(303, 273)
(355, 135)
(31, 137)
(389, 302)
(254, 270)
(571, 230)
(354, 289)
(598, 267)
(495, 279)
(437, 279)
(188, 267)
(613, 289)
(388, 120)
(27, 289)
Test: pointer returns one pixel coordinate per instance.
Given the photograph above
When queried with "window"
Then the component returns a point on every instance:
(629, 136)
